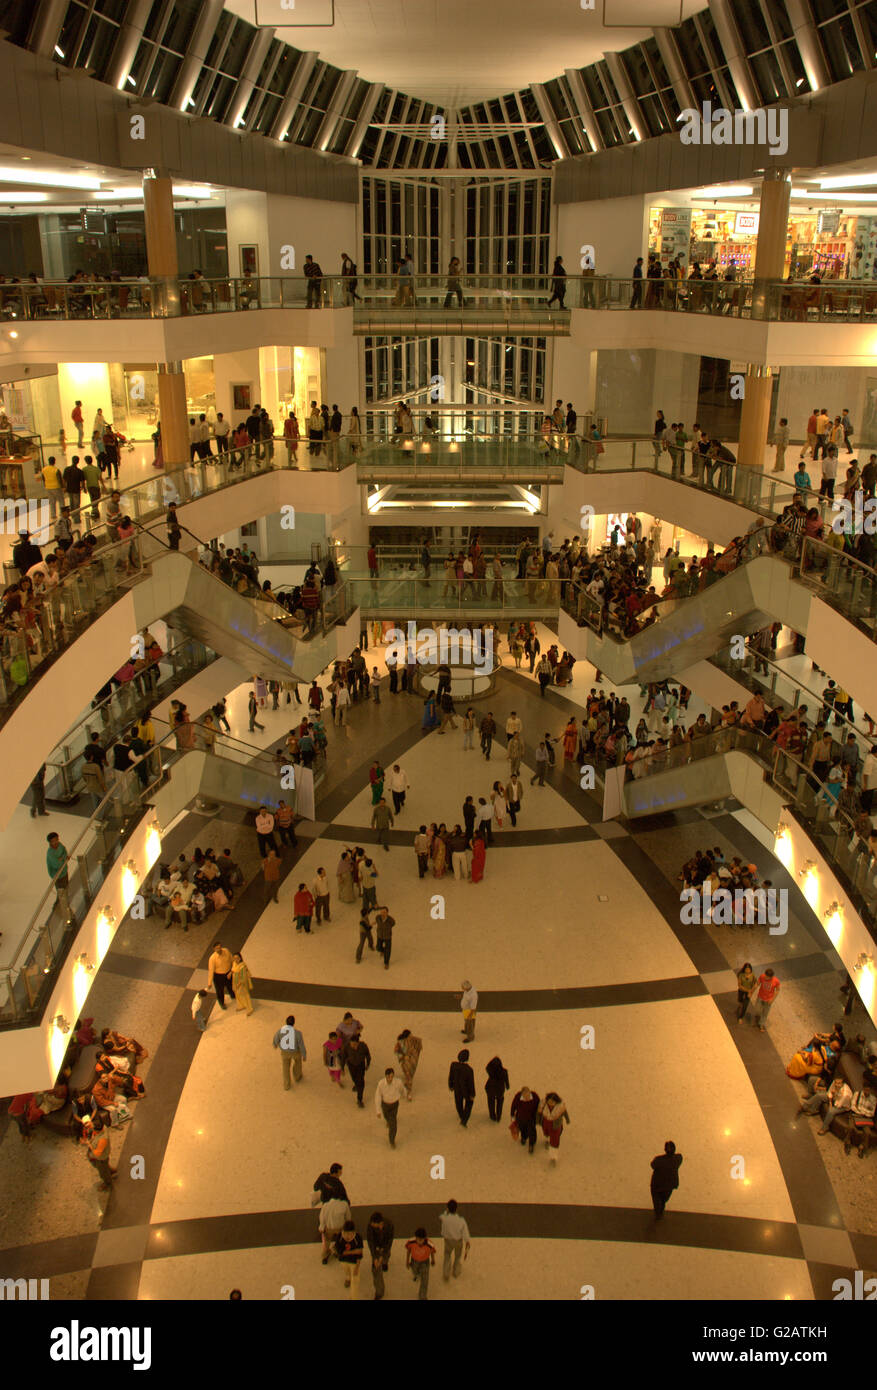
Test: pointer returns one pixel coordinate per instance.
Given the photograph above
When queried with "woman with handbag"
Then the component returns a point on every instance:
(553, 1114)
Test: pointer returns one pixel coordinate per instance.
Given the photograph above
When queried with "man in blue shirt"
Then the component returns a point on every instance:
(56, 862)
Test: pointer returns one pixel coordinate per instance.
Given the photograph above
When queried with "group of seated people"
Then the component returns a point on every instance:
(709, 870)
(831, 1095)
(105, 1096)
(193, 889)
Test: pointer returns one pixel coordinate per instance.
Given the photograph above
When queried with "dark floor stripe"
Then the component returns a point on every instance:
(489, 1001)
(499, 1220)
(45, 1258)
(502, 839)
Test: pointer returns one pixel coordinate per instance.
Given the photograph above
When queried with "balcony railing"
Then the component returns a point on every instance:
(835, 301)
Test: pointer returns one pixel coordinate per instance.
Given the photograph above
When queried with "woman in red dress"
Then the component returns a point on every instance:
(479, 854)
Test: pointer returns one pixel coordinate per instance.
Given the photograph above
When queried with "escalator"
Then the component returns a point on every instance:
(764, 590)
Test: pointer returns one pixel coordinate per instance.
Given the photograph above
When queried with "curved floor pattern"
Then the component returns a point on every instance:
(779, 1235)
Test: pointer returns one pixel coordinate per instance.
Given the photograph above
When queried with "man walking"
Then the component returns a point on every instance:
(488, 730)
(398, 784)
(303, 908)
(665, 1177)
(56, 864)
(636, 299)
(448, 711)
(292, 1052)
(366, 925)
(384, 925)
(469, 1008)
(421, 845)
(768, 989)
(219, 972)
(355, 1056)
(461, 1080)
(265, 831)
(271, 872)
(382, 819)
(379, 1238)
(387, 1096)
(541, 765)
(524, 1108)
(455, 1234)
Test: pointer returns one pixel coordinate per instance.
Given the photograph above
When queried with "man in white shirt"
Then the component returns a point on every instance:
(342, 700)
(221, 433)
(397, 781)
(469, 1008)
(387, 1096)
(194, 438)
(333, 1214)
(513, 725)
(44, 574)
(455, 1234)
(265, 831)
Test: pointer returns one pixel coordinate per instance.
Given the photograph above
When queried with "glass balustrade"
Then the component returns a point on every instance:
(834, 301)
(27, 982)
(824, 809)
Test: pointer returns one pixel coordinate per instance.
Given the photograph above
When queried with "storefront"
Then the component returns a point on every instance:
(831, 243)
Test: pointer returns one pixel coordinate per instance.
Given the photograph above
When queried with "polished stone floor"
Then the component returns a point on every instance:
(575, 924)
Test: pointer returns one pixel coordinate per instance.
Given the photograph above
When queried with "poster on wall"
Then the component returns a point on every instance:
(863, 265)
(675, 235)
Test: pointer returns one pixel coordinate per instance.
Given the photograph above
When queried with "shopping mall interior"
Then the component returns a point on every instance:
(403, 374)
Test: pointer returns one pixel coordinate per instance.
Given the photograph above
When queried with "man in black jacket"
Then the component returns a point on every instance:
(665, 1177)
(356, 1058)
(461, 1080)
(379, 1238)
(25, 553)
(254, 428)
(73, 479)
(330, 1185)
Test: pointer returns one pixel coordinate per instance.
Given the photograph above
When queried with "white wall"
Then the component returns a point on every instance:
(617, 228)
(246, 223)
(313, 227)
(801, 388)
(88, 382)
(573, 376)
(235, 368)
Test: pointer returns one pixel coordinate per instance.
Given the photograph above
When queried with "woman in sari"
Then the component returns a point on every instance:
(376, 778)
(242, 983)
(570, 741)
(430, 717)
(439, 852)
(344, 874)
(408, 1049)
(809, 1063)
(479, 854)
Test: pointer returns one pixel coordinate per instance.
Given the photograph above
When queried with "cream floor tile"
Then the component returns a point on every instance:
(635, 1089)
(505, 1269)
(442, 774)
(534, 922)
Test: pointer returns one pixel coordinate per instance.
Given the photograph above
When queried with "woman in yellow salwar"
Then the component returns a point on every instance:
(242, 983)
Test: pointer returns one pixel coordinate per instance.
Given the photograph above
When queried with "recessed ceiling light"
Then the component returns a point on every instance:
(849, 181)
(49, 178)
(59, 52)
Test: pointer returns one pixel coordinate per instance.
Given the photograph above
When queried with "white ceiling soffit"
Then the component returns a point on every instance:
(455, 52)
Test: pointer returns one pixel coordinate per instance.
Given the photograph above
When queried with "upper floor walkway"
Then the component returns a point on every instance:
(770, 323)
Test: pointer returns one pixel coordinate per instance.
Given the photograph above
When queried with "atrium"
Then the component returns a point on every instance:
(500, 373)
